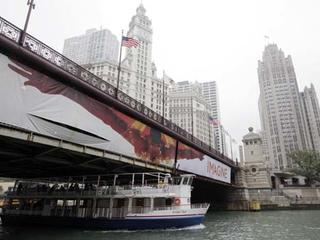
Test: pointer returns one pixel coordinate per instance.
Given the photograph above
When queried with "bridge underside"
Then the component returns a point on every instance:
(25, 154)
(28, 155)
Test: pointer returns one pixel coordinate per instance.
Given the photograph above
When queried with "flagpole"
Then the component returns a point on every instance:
(119, 66)
(163, 95)
(192, 116)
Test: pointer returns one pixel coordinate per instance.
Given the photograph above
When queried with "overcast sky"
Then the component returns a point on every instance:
(201, 40)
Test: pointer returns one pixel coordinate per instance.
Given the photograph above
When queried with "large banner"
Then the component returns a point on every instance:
(34, 101)
(193, 161)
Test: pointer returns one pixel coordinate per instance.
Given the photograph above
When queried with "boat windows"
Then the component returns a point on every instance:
(162, 202)
(138, 202)
(14, 204)
(38, 204)
(71, 203)
(185, 181)
(59, 203)
(119, 203)
(86, 203)
(176, 181)
(159, 202)
(103, 203)
(168, 201)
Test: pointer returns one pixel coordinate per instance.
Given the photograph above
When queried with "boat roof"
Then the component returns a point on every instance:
(110, 179)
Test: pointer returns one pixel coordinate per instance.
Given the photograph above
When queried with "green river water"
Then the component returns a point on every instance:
(282, 225)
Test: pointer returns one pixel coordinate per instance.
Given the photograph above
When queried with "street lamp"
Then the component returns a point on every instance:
(31, 6)
(192, 116)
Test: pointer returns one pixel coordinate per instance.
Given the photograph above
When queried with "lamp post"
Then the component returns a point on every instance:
(119, 66)
(192, 117)
(163, 96)
(23, 34)
(209, 129)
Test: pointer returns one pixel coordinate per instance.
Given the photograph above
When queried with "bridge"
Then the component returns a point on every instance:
(59, 119)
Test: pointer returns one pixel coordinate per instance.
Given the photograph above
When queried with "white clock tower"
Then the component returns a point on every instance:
(140, 59)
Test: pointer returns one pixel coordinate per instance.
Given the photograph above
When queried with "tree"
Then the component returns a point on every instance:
(308, 164)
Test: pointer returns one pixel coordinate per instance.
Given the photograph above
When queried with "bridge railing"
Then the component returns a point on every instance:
(9, 30)
(34, 45)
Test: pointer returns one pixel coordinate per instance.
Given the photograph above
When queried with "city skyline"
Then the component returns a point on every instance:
(229, 59)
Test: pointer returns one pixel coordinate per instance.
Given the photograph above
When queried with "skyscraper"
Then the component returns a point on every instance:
(94, 46)
(209, 91)
(229, 146)
(189, 110)
(312, 112)
(280, 107)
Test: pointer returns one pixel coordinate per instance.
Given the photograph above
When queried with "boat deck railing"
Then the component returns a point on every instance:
(104, 191)
(95, 184)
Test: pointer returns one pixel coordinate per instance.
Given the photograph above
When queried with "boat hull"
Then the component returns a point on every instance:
(104, 223)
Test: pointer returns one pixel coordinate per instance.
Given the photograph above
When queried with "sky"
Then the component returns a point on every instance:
(203, 40)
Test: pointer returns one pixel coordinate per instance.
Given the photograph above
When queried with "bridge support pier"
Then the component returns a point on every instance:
(238, 199)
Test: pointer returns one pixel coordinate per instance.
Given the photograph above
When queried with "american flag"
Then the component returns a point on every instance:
(210, 119)
(213, 121)
(129, 42)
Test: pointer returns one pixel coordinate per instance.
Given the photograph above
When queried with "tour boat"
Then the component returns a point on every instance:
(110, 202)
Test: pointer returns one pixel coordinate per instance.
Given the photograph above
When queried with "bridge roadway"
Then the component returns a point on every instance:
(24, 153)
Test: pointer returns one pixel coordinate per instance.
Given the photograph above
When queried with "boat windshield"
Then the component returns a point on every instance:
(177, 181)
(183, 180)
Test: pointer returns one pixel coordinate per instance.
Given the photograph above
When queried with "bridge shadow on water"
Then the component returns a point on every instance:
(215, 194)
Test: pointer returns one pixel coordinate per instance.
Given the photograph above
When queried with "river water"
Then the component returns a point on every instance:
(282, 225)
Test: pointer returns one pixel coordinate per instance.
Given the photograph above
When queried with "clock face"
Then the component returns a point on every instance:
(145, 35)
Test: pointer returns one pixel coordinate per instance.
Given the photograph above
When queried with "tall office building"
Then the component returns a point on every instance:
(312, 113)
(280, 107)
(189, 110)
(210, 93)
(229, 146)
(94, 46)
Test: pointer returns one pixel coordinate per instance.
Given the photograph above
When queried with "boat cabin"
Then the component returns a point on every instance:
(107, 196)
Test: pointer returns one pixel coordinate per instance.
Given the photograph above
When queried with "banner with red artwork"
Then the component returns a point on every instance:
(193, 161)
(34, 101)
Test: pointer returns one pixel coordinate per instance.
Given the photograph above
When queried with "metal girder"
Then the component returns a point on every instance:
(10, 154)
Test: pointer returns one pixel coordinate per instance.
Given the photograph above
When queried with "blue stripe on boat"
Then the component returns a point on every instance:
(103, 223)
